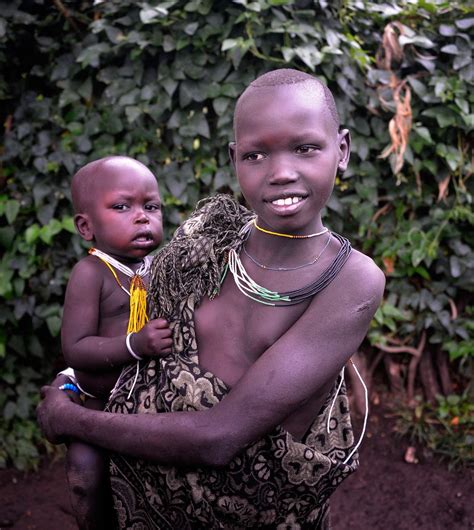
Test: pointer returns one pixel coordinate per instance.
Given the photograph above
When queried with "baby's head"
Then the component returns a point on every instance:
(288, 149)
(117, 206)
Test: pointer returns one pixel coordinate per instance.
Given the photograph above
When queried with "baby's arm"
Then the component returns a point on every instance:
(83, 348)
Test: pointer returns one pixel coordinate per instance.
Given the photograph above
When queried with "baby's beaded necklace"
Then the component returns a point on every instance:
(138, 315)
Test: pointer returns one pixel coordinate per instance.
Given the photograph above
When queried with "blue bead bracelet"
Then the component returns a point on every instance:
(70, 386)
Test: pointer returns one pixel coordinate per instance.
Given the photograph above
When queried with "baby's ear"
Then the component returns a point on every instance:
(84, 226)
(231, 150)
(344, 137)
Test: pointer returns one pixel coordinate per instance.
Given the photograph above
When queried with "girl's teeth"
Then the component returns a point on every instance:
(287, 201)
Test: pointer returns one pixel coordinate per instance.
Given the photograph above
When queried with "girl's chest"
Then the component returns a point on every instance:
(233, 331)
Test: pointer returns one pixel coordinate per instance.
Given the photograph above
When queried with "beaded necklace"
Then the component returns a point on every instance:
(290, 236)
(279, 269)
(251, 289)
(138, 315)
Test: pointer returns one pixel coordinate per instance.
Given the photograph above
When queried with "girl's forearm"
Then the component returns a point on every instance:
(185, 439)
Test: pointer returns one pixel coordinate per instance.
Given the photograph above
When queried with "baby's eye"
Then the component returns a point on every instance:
(305, 149)
(254, 157)
(119, 207)
(152, 207)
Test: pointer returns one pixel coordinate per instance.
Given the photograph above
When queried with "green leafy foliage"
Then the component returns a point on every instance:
(446, 428)
(158, 81)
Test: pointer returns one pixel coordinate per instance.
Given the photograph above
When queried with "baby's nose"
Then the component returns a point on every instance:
(141, 217)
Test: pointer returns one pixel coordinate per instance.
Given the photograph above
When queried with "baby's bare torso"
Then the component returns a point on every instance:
(114, 312)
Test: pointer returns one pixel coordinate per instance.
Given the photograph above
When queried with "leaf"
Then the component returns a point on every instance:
(67, 224)
(447, 30)
(443, 115)
(12, 207)
(424, 133)
(32, 233)
(91, 56)
(190, 29)
(228, 44)
(5, 281)
(9, 410)
(133, 113)
(169, 85)
(149, 14)
(221, 105)
(7, 235)
(419, 87)
(419, 40)
(309, 55)
(54, 325)
(465, 23)
(455, 266)
(85, 89)
(451, 49)
(50, 230)
(417, 256)
(462, 104)
(462, 60)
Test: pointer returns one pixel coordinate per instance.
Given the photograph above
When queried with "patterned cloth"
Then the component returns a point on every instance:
(276, 482)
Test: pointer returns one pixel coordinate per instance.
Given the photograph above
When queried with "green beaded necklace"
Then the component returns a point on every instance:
(260, 294)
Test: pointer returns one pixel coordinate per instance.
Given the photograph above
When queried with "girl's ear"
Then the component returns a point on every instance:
(84, 226)
(231, 149)
(344, 138)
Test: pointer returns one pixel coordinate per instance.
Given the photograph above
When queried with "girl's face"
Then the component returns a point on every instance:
(286, 155)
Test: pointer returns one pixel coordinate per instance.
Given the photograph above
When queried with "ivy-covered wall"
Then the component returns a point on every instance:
(157, 80)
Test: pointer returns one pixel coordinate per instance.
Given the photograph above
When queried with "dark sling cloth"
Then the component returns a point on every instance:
(276, 482)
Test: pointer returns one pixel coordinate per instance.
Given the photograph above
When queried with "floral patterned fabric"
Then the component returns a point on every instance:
(276, 482)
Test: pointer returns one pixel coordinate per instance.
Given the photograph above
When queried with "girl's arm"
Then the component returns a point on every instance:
(293, 370)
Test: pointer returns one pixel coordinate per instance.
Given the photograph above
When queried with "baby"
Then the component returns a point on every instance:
(117, 207)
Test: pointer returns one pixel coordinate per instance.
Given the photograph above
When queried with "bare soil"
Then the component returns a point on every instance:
(386, 493)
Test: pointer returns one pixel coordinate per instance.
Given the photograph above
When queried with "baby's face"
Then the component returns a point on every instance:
(125, 214)
(286, 155)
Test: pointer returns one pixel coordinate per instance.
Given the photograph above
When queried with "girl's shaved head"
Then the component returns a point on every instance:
(285, 77)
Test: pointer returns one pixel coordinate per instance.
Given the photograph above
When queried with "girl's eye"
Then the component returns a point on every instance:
(305, 149)
(119, 206)
(254, 157)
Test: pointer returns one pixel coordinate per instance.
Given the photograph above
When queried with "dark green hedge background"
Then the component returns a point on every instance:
(158, 81)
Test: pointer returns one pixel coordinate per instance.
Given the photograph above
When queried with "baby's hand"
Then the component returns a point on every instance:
(154, 339)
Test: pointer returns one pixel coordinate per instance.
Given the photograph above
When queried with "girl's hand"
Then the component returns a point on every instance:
(53, 411)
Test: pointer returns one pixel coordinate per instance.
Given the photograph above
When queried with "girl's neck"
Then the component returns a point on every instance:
(269, 248)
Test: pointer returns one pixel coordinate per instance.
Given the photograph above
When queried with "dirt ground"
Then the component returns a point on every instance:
(386, 493)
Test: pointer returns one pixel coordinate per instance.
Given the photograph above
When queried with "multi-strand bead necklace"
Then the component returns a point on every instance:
(251, 289)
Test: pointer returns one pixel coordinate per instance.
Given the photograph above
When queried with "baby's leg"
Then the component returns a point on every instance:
(89, 486)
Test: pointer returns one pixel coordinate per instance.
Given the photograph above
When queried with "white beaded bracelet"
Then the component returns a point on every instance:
(130, 349)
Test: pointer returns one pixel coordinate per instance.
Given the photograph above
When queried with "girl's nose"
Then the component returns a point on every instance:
(282, 171)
